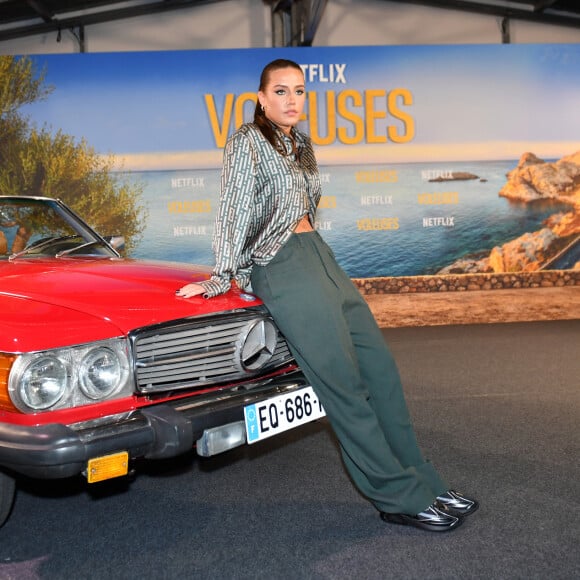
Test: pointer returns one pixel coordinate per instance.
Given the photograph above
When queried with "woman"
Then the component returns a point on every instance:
(264, 235)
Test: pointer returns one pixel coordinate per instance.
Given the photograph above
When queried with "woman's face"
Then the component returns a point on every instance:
(283, 98)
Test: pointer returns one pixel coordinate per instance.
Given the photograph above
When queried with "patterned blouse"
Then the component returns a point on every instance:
(264, 194)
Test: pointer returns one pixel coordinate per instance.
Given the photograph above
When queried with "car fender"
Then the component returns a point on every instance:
(28, 325)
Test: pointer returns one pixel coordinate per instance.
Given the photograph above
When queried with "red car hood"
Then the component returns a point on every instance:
(50, 303)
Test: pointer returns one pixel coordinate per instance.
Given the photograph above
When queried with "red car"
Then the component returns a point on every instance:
(101, 364)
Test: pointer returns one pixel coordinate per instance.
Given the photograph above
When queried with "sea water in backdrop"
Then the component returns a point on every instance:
(376, 227)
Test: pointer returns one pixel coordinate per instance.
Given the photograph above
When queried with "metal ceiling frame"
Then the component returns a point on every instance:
(540, 11)
(51, 23)
(294, 22)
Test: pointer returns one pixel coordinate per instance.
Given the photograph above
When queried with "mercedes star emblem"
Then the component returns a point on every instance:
(257, 344)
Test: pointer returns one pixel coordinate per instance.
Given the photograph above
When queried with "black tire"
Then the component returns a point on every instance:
(7, 495)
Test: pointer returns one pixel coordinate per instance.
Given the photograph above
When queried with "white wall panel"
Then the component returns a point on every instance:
(374, 22)
(228, 24)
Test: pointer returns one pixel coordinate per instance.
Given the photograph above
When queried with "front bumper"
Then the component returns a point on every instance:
(155, 432)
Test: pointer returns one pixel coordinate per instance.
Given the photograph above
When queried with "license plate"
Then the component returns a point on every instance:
(281, 413)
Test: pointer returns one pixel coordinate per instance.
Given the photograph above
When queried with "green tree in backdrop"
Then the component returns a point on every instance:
(35, 161)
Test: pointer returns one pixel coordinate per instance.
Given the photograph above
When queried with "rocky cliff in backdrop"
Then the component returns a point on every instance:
(532, 180)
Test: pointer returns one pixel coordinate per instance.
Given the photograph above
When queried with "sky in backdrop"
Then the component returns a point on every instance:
(469, 102)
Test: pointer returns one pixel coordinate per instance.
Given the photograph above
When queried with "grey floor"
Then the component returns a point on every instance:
(497, 410)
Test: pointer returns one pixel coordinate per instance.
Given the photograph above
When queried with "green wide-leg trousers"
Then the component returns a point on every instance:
(342, 352)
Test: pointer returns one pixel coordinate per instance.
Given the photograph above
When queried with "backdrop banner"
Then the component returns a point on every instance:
(462, 158)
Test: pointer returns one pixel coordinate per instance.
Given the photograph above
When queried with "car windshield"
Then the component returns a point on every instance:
(40, 227)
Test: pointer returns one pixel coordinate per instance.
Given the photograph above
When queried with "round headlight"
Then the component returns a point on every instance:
(43, 383)
(101, 373)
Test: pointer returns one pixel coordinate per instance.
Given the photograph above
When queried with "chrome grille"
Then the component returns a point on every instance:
(205, 351)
